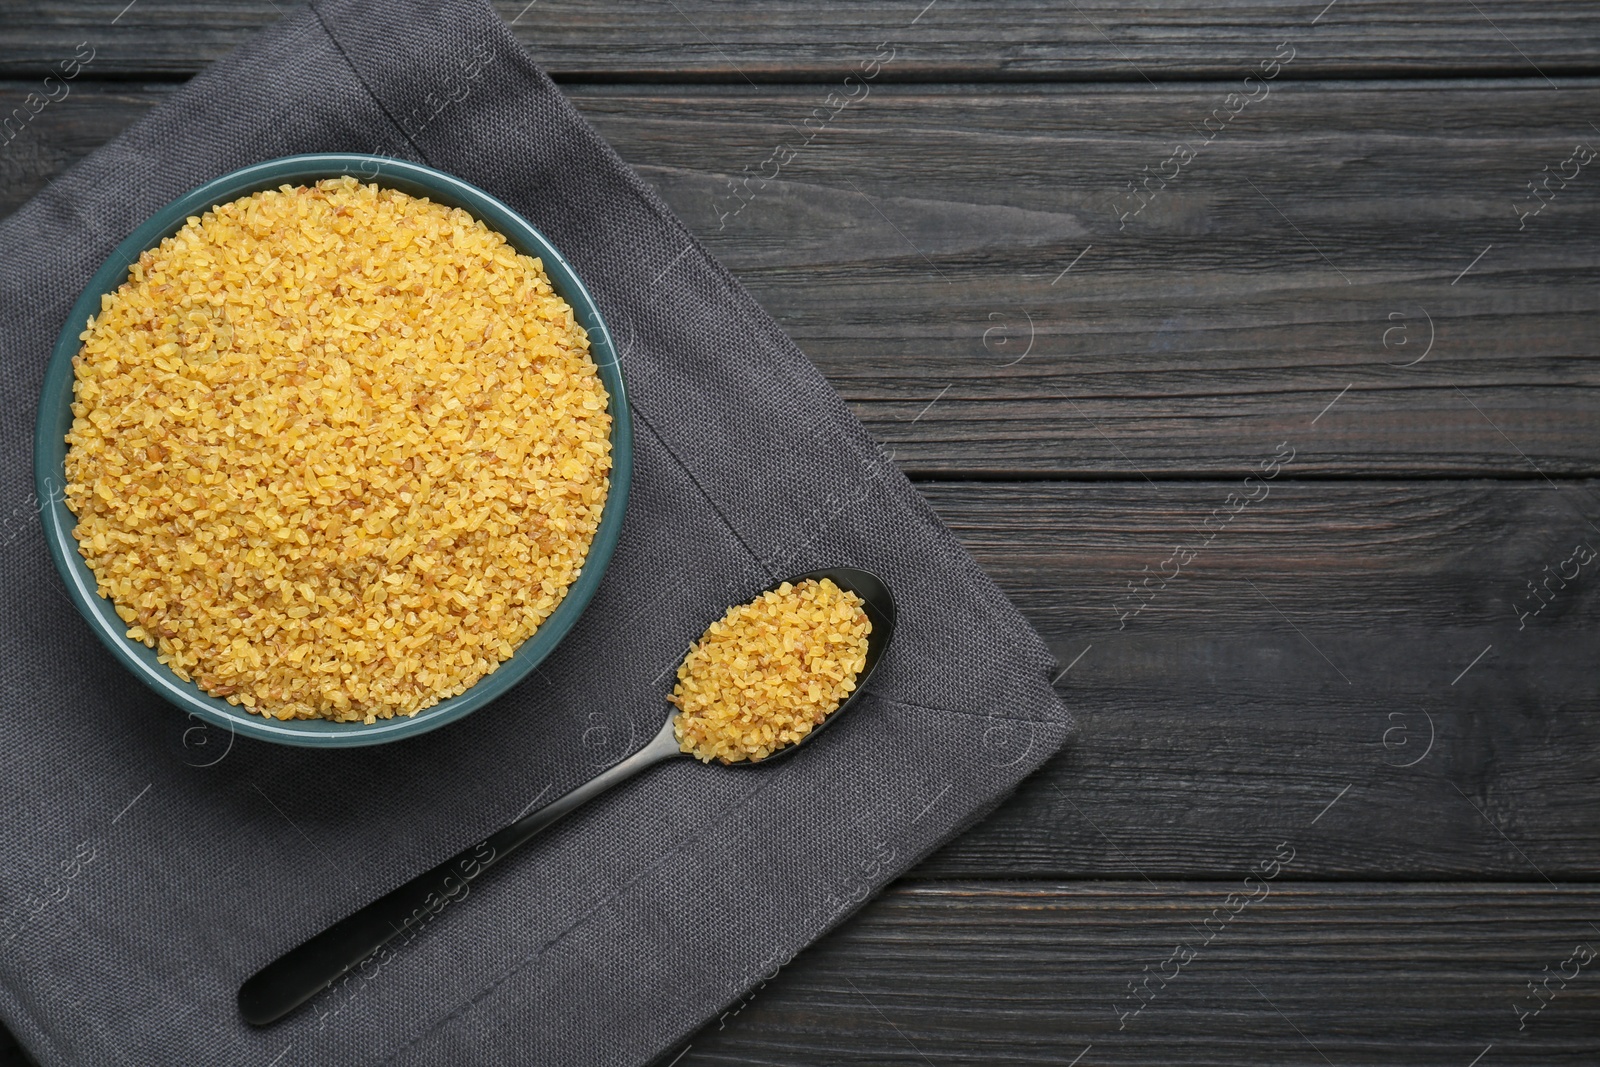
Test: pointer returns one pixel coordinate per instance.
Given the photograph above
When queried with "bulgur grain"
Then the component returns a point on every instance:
(336, 451)
(769, 671)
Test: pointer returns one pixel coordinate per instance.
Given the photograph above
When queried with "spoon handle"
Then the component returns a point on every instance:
(308, 969)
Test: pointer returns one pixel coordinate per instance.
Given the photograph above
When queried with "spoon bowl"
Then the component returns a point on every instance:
(306, 970)
(878, 603)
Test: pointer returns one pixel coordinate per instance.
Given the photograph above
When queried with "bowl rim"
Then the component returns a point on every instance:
(54, 417)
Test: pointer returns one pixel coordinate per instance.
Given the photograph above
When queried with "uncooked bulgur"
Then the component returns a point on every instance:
(769, 671)
(336, 451)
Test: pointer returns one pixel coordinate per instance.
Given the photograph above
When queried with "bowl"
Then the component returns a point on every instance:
(55, 420)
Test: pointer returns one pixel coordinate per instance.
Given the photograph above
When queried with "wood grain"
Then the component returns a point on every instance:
(916, 251)
(1310, 974)
(765, 40)
(1311, 652)
(1341, 668)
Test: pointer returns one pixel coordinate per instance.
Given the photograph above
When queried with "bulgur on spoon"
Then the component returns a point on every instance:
(760, 682)
(768, 672)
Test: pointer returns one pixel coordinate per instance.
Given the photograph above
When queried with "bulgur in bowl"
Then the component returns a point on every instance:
(441, 559)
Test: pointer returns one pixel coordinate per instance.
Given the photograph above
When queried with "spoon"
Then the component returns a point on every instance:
(303, 972)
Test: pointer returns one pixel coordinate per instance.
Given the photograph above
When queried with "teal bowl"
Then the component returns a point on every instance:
(55, 420)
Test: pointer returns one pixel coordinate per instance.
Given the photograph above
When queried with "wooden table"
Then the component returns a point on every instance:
(1251, 348)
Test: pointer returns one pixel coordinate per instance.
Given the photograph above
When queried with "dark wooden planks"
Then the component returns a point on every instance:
(734, 40)
(63, 131)
(1016, 976)
(1215, 727)
(915, 250)
(1317, 645)
(1211, 709)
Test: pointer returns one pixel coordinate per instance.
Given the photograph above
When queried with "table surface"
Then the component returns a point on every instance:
(1251, 349)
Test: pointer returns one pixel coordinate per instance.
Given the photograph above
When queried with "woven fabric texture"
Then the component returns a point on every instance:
(148, 863)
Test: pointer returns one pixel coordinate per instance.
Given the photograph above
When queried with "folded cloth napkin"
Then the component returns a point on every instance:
(148, 863)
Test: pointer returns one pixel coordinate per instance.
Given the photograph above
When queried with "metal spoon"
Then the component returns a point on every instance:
(304, 971)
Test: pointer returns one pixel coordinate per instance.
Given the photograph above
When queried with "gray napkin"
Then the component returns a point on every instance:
(148, 863)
